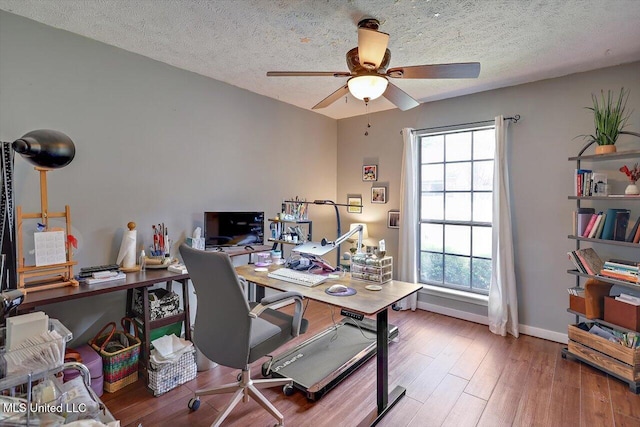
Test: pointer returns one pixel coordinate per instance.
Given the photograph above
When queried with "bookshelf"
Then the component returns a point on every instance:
(612, 358)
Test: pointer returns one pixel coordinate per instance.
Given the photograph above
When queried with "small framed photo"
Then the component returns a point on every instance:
(370, 173)
(393, 220)
(378, 194)
(355, 204)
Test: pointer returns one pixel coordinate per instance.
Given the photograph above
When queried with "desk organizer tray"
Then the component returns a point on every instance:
(167, 376)
(371, 269)
(37, 355)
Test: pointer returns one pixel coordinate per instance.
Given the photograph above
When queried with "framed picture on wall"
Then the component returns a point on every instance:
(393, 220)
(370, 173)
(378, 194)
(355, 204)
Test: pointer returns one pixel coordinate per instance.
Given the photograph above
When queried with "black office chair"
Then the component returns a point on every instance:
(234, 333)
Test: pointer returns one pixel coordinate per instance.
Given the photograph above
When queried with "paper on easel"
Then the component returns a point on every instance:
(49, 248)
(127, 254)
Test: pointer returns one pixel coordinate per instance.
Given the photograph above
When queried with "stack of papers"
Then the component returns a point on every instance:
(169, 348)
(94, 280)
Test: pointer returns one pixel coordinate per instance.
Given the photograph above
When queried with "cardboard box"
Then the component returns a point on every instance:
(622, 314)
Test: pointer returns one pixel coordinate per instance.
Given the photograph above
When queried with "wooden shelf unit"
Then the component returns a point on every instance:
(612, 358)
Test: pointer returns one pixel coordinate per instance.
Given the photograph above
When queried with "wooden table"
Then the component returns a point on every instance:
(138, 280)
(364, 302)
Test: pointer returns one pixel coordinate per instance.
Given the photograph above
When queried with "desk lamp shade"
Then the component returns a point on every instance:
(46, 148)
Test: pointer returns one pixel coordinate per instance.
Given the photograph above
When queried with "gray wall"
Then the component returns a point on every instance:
(552, 116)
(158, 144)
(154, 144)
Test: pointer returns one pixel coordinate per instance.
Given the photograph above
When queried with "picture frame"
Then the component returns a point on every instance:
(354, 200)
(393, 219)
(378, 194)
(370, 172)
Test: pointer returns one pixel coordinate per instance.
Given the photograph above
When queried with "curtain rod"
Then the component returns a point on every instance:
(514, 119)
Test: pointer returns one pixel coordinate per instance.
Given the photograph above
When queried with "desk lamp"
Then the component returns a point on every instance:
(365, 235)
(47, 150)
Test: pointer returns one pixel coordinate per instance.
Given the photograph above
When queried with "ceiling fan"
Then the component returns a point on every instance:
(368, 74)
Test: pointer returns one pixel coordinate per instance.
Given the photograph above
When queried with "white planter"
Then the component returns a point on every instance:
(632, 189)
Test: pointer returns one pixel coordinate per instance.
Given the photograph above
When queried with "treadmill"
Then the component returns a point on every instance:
(319, 364)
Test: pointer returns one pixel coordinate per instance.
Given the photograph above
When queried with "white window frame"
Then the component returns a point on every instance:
(477, 296)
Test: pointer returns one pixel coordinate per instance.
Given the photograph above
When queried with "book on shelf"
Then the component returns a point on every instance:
(596, 224)
(590, 260)
(619, 275)
(609, 223)
(576, 262)
(598, 234)
(624, 262)
(582, 181)
(636, 237)
(589, 227)
(583, 218)
(620, 226)
(634, 230)
(616, 266)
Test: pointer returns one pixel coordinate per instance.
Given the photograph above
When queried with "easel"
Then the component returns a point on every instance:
(46, 276)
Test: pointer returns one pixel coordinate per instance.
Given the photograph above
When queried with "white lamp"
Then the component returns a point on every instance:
(367, 87)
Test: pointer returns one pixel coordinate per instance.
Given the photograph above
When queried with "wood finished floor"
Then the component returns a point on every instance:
(456, 374)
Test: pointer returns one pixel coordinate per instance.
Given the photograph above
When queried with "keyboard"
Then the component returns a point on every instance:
(88, 271)
(297, 277)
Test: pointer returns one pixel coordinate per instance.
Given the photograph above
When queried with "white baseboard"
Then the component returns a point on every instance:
(477, 318)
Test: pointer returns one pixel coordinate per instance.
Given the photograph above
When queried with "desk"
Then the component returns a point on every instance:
(365, 302)
(136, 280)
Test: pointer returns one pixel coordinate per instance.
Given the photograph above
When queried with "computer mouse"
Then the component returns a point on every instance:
(337, 289)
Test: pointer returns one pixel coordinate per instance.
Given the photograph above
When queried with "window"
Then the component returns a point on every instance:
(456, 186)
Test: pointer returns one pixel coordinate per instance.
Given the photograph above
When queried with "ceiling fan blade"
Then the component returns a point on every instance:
(332, 98)
(308, 73)
(372, 46)
(466, 70)
(399, 97)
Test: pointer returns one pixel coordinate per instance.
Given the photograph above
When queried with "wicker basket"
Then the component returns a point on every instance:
(120, 352)
(115, 386)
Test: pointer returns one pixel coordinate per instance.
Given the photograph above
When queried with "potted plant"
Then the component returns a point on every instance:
(609, 118)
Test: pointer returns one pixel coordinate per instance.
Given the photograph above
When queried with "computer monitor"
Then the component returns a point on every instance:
(233, 229)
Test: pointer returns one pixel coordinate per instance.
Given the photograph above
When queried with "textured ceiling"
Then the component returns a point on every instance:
(238, 41)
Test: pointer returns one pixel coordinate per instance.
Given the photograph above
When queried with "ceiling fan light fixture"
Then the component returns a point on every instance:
(369, 86)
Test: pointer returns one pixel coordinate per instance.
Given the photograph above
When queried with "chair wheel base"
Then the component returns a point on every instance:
(194, 404)
(288, 390)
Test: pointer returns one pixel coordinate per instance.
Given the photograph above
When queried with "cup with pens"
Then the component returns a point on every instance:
(160, 250)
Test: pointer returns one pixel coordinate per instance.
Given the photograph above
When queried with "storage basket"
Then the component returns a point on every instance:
(120, 352)
(46, 354)
(167, 376)
(162, 303)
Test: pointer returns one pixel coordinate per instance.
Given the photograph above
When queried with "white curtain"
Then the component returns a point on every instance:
(407, 264)
(503, 299)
